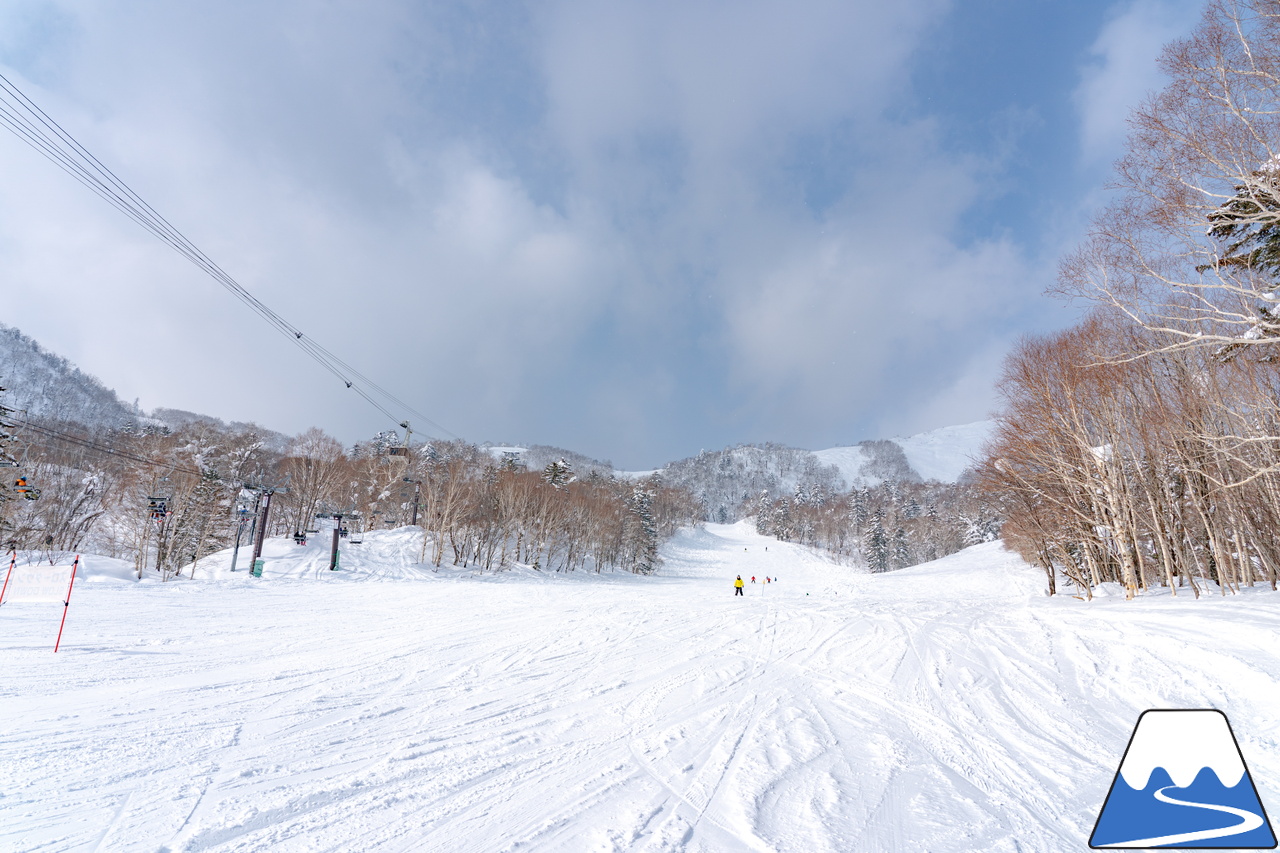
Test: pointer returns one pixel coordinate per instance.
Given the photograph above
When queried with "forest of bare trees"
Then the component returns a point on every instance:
(479, 511)
(1142, 447)
(478, 507)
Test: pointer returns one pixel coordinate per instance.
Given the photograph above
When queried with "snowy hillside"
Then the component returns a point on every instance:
(45, 385)
(385, 707)
(943, 454)
(725, 480)
(940, 454)
(180, 419)
(535, 457)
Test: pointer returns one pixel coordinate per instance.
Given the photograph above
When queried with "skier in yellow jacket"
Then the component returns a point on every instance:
(737, 586)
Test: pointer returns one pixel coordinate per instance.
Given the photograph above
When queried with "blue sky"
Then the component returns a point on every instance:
(634, 229)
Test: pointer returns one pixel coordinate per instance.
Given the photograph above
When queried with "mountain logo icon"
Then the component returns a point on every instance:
(1183, 783)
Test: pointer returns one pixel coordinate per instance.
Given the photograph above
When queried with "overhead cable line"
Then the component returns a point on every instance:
(98, 447)
(33, 126)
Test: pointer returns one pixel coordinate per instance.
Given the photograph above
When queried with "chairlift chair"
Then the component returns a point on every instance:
(24, 488)
(7, 460)
(403, 449)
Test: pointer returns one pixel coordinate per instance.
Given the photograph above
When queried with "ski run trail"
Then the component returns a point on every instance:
(386, 707)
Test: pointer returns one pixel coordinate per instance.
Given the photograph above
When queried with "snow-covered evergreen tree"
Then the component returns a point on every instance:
(901, 549)
(642, 531)
(764, 515)
(782, 518)
(558, 474)
(876, 546)
(860, 509)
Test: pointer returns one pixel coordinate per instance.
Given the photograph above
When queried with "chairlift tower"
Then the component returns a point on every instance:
(11, 463)
(338, 532)
(7, 460)
(417, 497)
(7, 438)
(243, 513)
(264, 497)
(158, 510)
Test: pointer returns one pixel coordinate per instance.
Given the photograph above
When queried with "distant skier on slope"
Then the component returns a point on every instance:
(737, 586)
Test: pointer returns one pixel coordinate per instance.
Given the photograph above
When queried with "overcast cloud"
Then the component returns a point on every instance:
(633, 229)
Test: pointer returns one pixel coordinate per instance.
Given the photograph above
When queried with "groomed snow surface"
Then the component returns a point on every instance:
(386, 707)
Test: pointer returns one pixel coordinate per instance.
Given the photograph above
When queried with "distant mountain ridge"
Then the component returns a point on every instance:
(535, 457)
(49, 386)
(727, 479)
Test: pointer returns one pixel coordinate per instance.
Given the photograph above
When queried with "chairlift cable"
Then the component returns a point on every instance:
(160, 228)
(28, 122)
(90, 444)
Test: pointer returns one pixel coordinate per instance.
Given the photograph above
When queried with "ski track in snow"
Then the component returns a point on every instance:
(387, 707)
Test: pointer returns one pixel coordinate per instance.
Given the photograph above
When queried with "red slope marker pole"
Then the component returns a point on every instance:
(12, 563)
(67, 604)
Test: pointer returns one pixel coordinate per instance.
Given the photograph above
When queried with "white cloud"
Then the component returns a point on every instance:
(576, 223)
(1122, 70)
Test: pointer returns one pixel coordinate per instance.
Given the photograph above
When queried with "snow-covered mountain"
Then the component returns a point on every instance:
(944, 454)
(535, 457)
(940, 454)
(726, 479)
(723, 480)
(45, 385)
(41, 384)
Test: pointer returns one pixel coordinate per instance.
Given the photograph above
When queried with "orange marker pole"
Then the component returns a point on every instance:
(67, 604)
(12, 563)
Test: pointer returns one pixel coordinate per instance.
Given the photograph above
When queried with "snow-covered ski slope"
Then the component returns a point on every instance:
(386, 707)
(941, 454)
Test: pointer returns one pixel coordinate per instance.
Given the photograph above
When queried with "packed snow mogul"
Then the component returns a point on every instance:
(737, 586)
